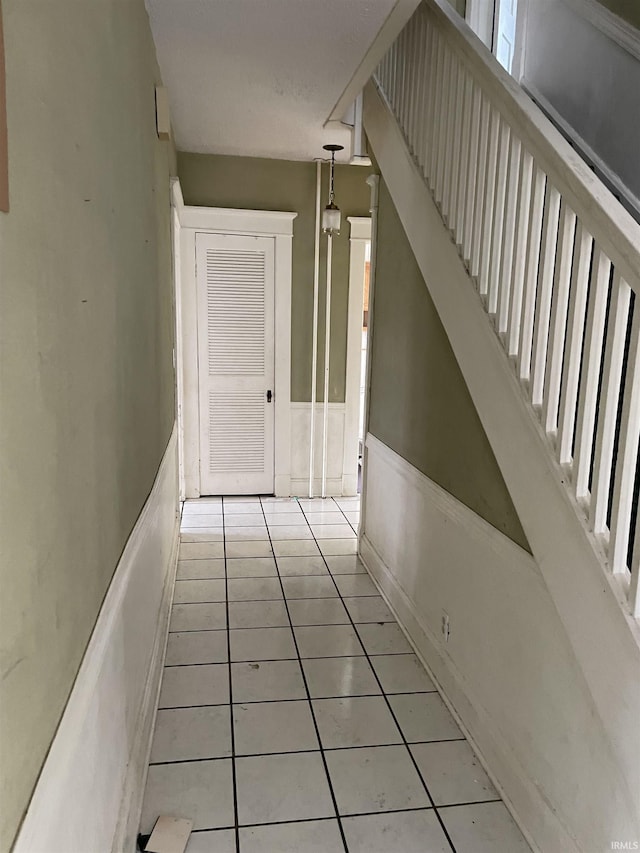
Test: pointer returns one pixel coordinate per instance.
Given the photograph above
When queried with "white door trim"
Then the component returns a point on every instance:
(177, 204)
(255, 223)
(359, 236)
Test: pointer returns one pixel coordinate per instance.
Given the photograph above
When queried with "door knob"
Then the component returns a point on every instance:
(269, 396)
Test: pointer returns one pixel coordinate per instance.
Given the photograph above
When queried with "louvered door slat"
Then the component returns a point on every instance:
(235, 343)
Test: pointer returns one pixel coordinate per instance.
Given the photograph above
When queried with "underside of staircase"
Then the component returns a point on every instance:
(533, 269)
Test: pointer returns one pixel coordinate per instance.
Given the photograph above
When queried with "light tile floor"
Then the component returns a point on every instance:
(293, 715)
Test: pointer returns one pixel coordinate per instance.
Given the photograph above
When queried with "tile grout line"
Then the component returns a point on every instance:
(308, 751)
(231, 725)
(308, 692)
(388, 704)
(299, 659)
(317, 698)
(351, 814)
(366, 656)
(272, 660)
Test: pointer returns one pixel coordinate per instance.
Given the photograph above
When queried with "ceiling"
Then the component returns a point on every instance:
(259, 78)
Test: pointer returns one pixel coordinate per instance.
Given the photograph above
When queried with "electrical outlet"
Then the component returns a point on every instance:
(446, 628)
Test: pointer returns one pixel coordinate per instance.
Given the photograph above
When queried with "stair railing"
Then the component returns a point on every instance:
(554, 256)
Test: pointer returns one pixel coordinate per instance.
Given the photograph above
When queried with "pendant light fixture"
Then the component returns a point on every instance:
(331, 214)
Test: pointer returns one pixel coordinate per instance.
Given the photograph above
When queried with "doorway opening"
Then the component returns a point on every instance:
(363, 356)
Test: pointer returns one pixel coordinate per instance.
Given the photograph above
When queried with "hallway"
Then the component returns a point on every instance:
(275, 620)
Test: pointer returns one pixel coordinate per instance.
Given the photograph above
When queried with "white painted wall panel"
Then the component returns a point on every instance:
(89, 794)
(507, 668)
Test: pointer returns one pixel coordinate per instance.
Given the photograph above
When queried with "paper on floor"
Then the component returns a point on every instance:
(170, 835)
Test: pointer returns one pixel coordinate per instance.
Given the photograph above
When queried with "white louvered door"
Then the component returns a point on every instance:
(235, 283)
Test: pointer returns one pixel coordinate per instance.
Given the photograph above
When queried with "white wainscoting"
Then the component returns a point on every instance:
(507, 669)
(339, 480)
(89, 794)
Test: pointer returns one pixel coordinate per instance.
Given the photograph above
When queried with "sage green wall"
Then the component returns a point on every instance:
(420, 405)
(260, 184)
(86, 332)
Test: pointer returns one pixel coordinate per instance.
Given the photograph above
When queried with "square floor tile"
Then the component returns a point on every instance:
(284, 505)
(201, 550)
(368, 608)
(346, 565)
(295, 548)
(183, 734)
(266, 681)
(184, 686)
(266, 727)
(309, 587)
(201, 789)
(201, 520)
(452, 773)
(246, 534)
(199, 591)
(327, 641)
(483, 828)
(375, 779)
(343, 676)
(355, 721)
(294, 532)
(424, 716)
(244, 506)
(401, 832)
(314, 836)
(297, 566)
(259, 548)
(262, 644)
(402, 674)
(385, 639)
(350, 502)
(198, 617)
(332, 531)
(317, 611)
(338, 547)
(216, 841)
(200, 569)
(191, 534)
(206, 505)
(254, 589)
(289, 787)
(258, 614)
(356, 585)
(193, 647)
(247, 519)
(280, 519)
(328, 517)
(317, 504)
(251, 567)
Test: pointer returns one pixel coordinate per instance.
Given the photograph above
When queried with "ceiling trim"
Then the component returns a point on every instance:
(390, 30)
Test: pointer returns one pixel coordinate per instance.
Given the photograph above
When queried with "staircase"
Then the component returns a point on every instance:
(534, 269)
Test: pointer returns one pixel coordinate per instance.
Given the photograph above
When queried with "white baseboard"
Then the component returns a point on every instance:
(507, 668)
(88, 796)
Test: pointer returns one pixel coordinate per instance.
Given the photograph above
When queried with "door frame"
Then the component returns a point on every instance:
(252, 223)
(359, 236)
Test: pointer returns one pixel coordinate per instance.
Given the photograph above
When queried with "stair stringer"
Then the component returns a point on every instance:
(605, 639)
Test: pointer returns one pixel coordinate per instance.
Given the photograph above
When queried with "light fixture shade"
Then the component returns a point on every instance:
(331, 219)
